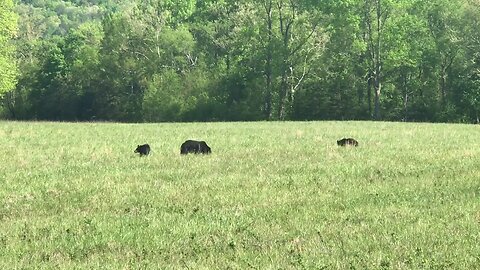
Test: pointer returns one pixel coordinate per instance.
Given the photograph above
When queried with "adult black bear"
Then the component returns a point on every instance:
(196, 147)
(143, 150)
(347, 141)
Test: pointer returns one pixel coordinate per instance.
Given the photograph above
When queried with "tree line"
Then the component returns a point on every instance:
(226, 60)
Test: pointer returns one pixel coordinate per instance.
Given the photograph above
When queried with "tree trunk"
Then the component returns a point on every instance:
(377, 63)
(268, 64)
(405, 98)
(283, 96)
(369, 94)
(374, 27)
(443, 87)
(447, 62)
(286, 24)
(377, 91)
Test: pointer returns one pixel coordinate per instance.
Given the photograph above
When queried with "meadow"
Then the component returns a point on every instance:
(272, 195)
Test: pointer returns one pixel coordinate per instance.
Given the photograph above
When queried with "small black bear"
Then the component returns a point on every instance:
(144, 150)
(196, 147)
(347, 141)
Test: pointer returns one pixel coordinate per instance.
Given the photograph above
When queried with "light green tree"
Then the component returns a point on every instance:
(8, 28)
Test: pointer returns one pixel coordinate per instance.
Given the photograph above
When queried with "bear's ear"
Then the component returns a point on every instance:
(138, 145)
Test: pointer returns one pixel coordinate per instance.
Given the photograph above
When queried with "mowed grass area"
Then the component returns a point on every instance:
(271, 195)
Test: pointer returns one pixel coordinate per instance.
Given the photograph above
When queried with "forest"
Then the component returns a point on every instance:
(226, 60)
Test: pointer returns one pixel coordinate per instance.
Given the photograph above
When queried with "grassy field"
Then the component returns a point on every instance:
(271, 195)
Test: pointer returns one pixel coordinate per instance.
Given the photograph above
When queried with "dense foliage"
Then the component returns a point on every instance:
(212, 60)
(8, 27)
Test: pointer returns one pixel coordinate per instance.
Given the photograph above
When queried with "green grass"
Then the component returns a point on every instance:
(271, 195)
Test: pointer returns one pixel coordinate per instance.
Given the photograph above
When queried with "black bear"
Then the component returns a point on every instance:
(196, 147)
(347, 141)
(143, 150)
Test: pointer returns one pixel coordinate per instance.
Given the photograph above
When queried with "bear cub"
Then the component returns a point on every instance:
(196, 147)
(347, 141)
(143, 150)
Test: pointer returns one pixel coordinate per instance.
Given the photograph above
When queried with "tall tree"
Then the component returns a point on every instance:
(120, 91)
(375, 17)
(8, 29)
(291, 37)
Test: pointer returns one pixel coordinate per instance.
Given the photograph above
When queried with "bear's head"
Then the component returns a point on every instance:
(138, 149)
